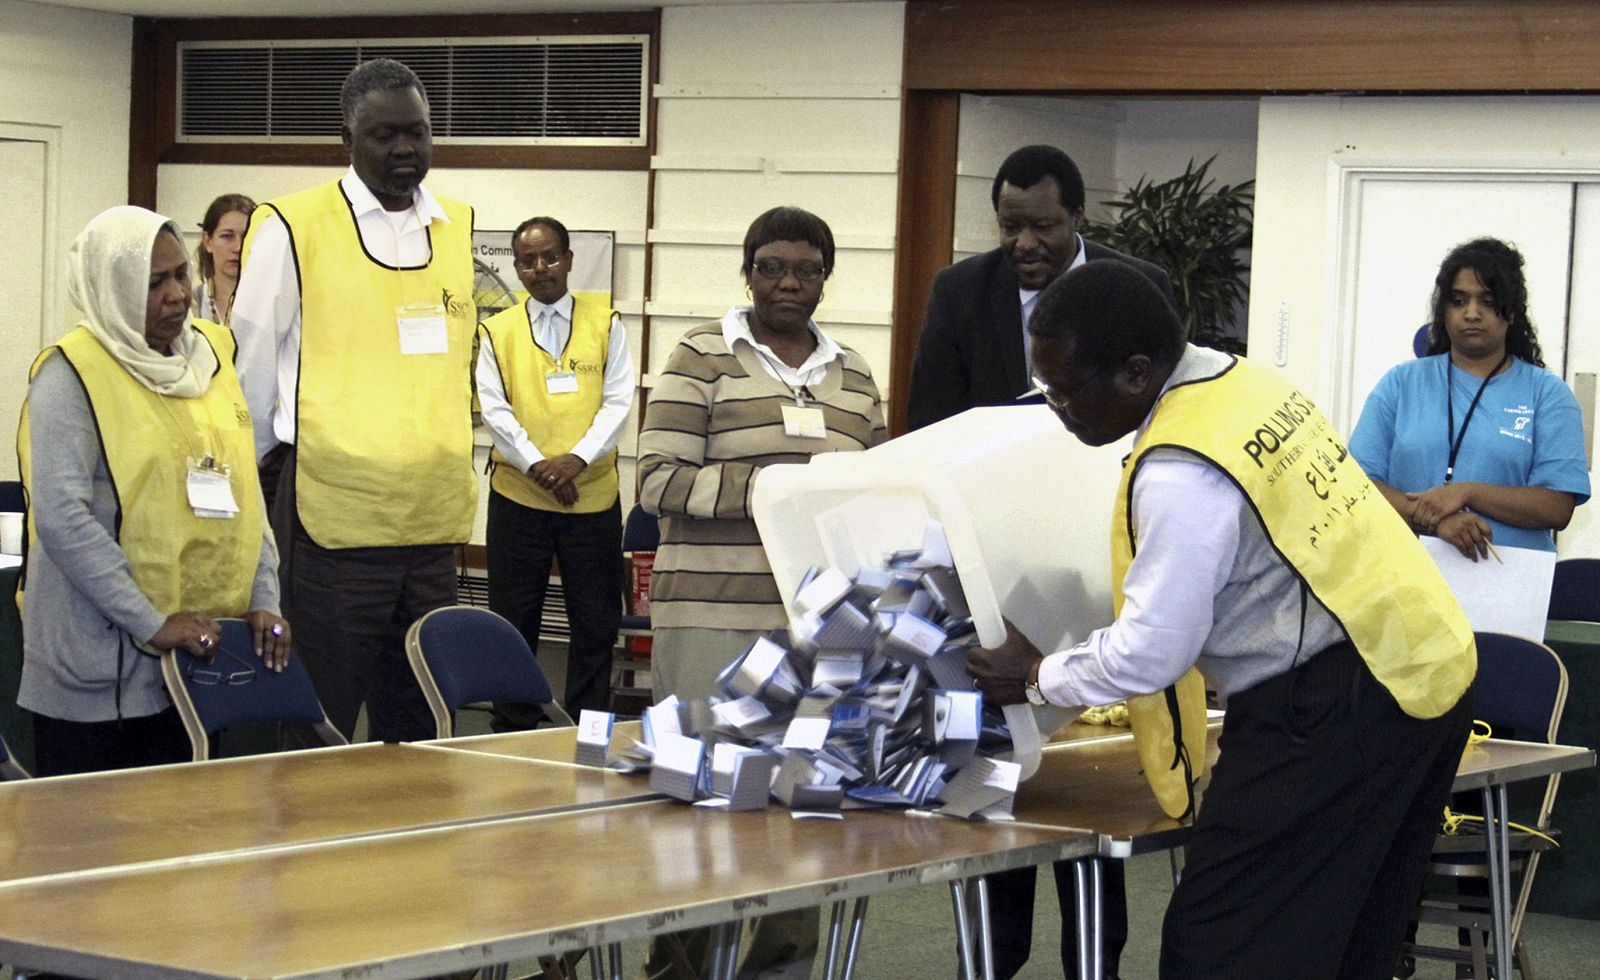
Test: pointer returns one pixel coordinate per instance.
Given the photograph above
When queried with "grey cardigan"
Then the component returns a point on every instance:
(82, 609)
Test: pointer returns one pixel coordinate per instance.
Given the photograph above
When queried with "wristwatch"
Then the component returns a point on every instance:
(1031, 688)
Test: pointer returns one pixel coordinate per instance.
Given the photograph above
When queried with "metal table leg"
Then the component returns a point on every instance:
(958, 899)
(730, 970)
(1497, 831)
(858, 921)
(835, 928)
(983, 933)
(1086, 874)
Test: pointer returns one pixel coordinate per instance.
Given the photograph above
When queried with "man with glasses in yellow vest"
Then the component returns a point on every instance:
(355, 319)
(555, 382)
(1247, 542)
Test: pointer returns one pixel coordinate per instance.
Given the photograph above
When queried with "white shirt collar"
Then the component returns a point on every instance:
(1195, 363)
(1027, 295)
(363, 201)
(736, 330)
(562, 306)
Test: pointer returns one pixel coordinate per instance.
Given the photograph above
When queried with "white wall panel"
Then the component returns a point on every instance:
(1307, 144)
(66, 71)
(1157, 137)
(779, 45)
(992, 127)
(767, 105)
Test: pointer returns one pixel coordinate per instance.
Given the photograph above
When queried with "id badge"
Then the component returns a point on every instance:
(561, 382)
(210, 490)
(804, 421)
(422, 330)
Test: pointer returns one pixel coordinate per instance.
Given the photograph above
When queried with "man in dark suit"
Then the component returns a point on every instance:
(973, 351)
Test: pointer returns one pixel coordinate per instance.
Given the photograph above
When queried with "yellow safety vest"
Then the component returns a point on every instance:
(1327, 520)
(383, 440)
(179, 561)
(554, 422)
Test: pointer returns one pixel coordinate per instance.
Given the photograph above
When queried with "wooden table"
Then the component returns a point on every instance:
(411, 860)
(138, 816)
(1097, 784)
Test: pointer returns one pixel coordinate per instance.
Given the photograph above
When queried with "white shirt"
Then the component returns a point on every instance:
(552, 328)
(266, 306)
(736, 330)
(1205, 585)
(1030, 299)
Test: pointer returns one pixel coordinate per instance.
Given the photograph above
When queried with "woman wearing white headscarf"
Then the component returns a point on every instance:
(144, 511)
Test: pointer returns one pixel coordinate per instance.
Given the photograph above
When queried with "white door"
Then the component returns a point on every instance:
(1402, 228)
(1405, 229)
(1581, 539)
(22, 282)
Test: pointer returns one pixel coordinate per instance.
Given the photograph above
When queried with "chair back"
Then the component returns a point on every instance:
(11, 498)
(463, 654)
(235, 687)
(1521, 688)
(641, 531)
(1575, 592)
(1419, 340)
(9, 767)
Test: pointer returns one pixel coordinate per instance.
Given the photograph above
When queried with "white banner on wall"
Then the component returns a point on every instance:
(496, 286)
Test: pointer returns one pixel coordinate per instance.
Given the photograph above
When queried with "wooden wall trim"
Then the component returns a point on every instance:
(445, 155)
(145, 128)
(466, 25)
(924, 227)
(1289, 46)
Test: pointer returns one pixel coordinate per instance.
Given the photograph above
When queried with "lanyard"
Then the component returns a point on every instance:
(1452, 437)
(800, 394)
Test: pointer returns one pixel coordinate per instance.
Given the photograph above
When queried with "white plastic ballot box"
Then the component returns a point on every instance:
(1025, 507)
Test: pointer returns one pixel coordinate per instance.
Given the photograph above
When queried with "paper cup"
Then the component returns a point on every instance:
(10, 533)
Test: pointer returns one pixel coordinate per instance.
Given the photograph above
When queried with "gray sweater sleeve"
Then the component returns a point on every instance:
(67, 466)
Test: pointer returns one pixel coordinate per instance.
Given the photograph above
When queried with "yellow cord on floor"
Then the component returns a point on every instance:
(1454, 820)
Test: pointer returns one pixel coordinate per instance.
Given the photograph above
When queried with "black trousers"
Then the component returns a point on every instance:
(1309, 848)
(350, 609)
(65, 747)
(520, 543)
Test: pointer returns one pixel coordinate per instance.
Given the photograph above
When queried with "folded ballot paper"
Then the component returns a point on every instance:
(863, 701)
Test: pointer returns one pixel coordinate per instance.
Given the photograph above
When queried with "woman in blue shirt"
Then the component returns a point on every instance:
(1477, 442)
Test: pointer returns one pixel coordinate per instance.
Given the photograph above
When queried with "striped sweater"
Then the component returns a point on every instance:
(715, 418)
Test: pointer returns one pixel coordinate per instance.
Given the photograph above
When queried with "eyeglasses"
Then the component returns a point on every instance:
(547, 259)
(775, 269)
(1049, 399)
(208, 677)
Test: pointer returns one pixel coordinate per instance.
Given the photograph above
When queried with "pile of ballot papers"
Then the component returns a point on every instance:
(864, 701)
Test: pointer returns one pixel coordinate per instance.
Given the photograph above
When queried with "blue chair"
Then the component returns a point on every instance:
(11, 497)
(464, 654)
(1419, 340)
(1520, 692)
(235, 687)
(1575, 592)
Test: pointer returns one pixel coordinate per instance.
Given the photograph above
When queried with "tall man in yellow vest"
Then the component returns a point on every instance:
(1246, 541)
(555, 382)
(355, 320)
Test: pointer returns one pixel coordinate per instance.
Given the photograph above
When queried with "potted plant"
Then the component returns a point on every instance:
(1196, 232)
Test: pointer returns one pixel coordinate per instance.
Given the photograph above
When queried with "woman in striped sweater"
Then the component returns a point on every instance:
(764, 385)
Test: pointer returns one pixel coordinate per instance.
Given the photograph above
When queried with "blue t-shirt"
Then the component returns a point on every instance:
(1526, 432)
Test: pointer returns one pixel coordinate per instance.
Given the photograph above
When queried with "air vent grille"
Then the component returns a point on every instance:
(567, 90)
